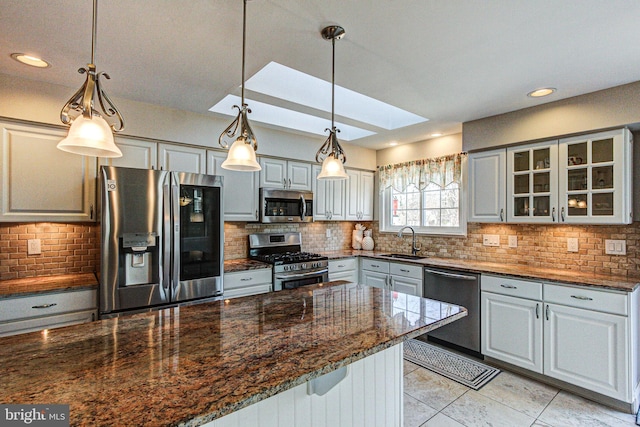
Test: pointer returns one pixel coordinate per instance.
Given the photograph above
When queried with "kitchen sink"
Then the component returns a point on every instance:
(404, 256)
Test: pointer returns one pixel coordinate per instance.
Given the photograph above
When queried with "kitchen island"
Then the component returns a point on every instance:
(194, 364)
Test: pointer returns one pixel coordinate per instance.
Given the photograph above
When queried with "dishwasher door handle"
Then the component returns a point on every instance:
(451, 275)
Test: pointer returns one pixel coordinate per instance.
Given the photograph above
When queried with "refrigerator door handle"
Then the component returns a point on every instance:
(166, 239)
(175, 222)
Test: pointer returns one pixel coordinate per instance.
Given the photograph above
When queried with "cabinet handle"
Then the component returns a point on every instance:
(390, 280)
(553, 214)
(537, 311)
(375, 266)
(91, 212)
(289, 183)
(581, 298)
(404, 271)
(256, 213)
(547, 312)
(562, 213)
(45, 305)
(246, 279)
(509, 286)
(284, 182)
(501, 214)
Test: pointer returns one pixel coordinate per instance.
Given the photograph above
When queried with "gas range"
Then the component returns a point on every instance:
(292, 268)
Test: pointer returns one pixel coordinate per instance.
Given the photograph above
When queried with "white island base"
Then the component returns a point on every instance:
(370, 395)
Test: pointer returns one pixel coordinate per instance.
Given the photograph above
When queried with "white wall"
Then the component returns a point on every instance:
(30, 100)
(436, 147)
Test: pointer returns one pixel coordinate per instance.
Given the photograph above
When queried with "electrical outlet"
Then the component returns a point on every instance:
(615, 247)
(328, 233)
(513, 241)
(572, 244)
(33, 247)
(491, 240)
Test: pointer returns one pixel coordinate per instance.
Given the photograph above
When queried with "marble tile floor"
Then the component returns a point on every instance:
(509, 400)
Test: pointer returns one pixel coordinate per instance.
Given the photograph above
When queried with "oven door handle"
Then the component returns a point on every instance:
(302, 275)
(450, 275)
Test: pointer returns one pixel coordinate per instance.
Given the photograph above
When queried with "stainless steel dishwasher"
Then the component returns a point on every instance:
(459, 288)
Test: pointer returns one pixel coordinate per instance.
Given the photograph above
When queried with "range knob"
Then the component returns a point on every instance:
(304, 266)
(285, 268)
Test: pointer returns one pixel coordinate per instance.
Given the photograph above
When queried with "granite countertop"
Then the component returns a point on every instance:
(572, 277)
(189, 365)
(44, 284)
(234, 265)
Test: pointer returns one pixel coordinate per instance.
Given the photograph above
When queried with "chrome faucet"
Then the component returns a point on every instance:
(414, 248)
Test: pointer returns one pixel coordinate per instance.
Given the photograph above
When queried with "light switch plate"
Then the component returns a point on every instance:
(491, 240)
(513, 241)
(615, 247)
(33, 247)
(572, 244)
(328, 232)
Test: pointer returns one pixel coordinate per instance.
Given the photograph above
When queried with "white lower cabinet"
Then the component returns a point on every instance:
(46, 311)
(582, 336)
(405, 278)
(247, 282)
(344, 269)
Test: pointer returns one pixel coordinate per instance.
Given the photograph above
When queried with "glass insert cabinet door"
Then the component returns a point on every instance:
(532, 183)
(595, 177)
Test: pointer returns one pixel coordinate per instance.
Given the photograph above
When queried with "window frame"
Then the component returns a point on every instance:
(385, 207)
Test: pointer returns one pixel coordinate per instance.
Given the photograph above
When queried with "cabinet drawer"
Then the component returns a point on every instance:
(46, 322)
(346, 264)
(247, 290)
(47, 304)
(242, 279)
(510, 286)
(406, 270)
(592, 299)
(375, 265)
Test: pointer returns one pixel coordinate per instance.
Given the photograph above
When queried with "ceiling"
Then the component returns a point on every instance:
(450, 61)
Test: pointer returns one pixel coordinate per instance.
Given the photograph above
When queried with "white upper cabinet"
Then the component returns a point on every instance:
(359, 195)
(487, 186)
(136, 153)
(532, 183)
(578, 180)
(239, 191)
(182, 159)
(285, 174)
(40, 182)
(595, 178)
(328, 198)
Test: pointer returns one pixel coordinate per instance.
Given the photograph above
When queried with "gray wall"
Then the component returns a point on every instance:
(609, 108)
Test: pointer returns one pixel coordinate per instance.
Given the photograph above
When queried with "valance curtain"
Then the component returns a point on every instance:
(441, 171)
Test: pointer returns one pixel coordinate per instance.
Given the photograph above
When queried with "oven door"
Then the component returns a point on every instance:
(295, 280)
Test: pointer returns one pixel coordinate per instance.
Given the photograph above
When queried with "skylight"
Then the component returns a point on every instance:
(278, 116)
(280, 82)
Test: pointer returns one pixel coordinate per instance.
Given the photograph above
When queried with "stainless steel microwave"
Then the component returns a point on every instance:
(285, 205)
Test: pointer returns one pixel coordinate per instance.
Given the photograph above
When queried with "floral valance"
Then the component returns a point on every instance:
(441, 171)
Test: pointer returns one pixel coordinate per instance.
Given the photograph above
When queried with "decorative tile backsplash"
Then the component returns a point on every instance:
(74, 248)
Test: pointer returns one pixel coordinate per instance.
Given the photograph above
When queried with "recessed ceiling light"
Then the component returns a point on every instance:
(436, 134)
(30, 60)
(393, 143)
(541, 92)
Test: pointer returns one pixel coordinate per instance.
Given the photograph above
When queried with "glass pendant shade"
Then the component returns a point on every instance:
(90, 137)
(241, 157)
(332, 168)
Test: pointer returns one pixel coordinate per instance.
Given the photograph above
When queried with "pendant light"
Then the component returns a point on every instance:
(330, 153)
(242, 154)
(90, 134)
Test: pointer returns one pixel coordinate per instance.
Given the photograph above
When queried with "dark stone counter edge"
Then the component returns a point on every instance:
(291, 383)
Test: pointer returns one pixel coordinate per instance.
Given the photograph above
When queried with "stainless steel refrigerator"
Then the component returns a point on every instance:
(162, 239)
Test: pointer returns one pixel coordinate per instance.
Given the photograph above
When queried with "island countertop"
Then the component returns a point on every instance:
(189, 365)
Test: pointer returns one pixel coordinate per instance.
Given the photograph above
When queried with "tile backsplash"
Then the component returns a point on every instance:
(75, 248)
